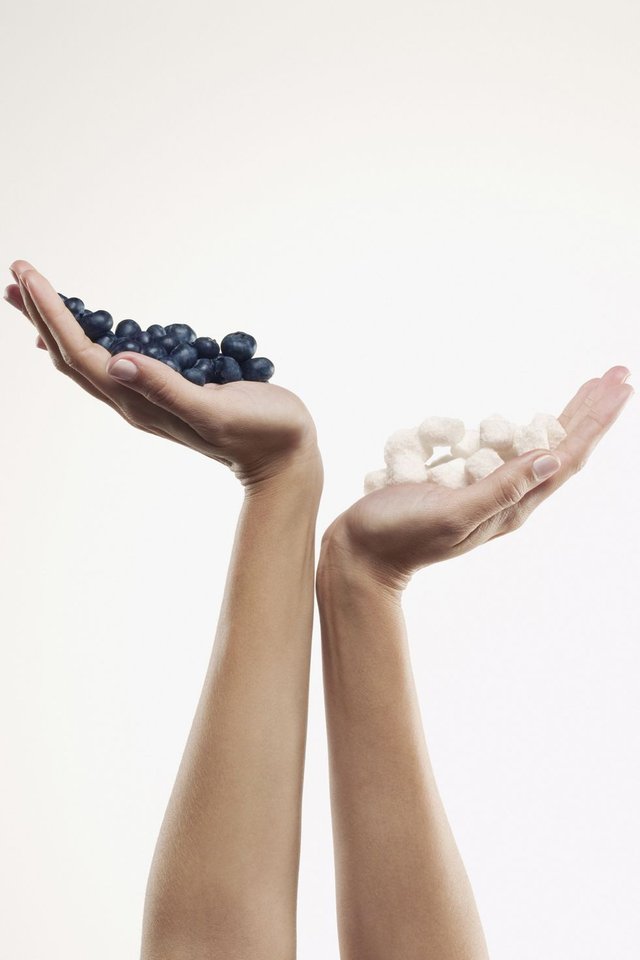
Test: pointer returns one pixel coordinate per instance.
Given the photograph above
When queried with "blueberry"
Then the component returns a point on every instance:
(75, 305)
(95, 324)
(106, 340)
(181, 331)
(102, 316)
(226, 370)
(124, 343)
(185, 355)
(257, 368)
(127, 328)
(168, 342)
(240, 346)
(206, 347)
(155, 330)
(143, 338)
(153, 350)
(170, 363)
(206, 364)
(195, 375)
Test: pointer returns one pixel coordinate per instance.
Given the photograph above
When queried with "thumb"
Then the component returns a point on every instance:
(160, 384)
(507, 485)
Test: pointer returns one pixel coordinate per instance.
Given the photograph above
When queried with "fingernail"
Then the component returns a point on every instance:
(545, 467)
(123, 370)
(627, 377)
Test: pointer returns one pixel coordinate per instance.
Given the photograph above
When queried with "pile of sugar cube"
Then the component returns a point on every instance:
(471, 454)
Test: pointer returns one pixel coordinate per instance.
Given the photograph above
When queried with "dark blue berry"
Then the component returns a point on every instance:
(206, 364)
(106, 341)
(124, 343)
(156, 330)
(153, 350)
(75, 305)
(170, 363)
(185, 355)
(182, 332)
(102, 316)
(169, 343)
(226, 370)
(195, 375)
(257, 368)
(128, 328)
(206, 347)
(143, 338)
(240, 346)
(95, 324)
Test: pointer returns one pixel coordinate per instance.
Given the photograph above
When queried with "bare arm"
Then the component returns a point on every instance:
(224, 876)
(402, 890)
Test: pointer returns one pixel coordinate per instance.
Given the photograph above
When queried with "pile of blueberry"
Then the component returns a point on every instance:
(199, 359)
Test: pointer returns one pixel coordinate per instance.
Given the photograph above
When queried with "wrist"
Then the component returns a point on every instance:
(297, 476)
(344, 566)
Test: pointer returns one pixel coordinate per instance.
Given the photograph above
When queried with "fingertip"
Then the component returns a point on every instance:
(618, 373)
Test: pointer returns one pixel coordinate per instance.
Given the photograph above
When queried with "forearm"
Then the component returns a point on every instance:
(402, 888)
(230, 837)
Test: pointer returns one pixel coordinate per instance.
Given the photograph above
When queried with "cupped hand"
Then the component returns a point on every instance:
(400, 528)
(254, 428)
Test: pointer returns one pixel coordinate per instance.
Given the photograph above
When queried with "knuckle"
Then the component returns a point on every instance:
(509, 490)
(515, 519)
(454, 526)
(160, 392)
(59, 363)
(75, 358)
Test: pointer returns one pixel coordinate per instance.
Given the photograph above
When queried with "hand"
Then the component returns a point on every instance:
(398, 529)
(254, 428)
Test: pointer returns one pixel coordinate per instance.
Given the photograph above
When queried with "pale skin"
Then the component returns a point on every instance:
(223, 881)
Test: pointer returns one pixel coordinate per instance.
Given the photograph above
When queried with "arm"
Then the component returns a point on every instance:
(402, 890)
(224, 875)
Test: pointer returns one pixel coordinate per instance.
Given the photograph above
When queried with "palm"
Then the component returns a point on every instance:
(409, 525)
(244, 425)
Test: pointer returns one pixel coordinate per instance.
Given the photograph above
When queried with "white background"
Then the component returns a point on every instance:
(417, 208)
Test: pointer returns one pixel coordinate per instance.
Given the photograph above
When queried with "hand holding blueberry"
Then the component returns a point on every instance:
(196, 395)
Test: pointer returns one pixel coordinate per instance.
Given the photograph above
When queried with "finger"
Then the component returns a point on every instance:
(31, 311)
(13, 296)
(574, 451)
(164, 387)
(612, 378)
(85, 361)
(50, 344)
(40, 343)
(576, 402)
(505, 487)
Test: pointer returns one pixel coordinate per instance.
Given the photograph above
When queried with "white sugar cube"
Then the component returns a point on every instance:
(406, 469)
(405, 442)
(555, 431)
(496, 432)
(481, 463)
(440, 431)
(529, 437)
(438, 460)
(375, 479)
(450, 474)
(468, 445)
